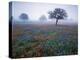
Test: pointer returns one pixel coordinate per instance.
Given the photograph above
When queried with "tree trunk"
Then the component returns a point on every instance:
(56, 21)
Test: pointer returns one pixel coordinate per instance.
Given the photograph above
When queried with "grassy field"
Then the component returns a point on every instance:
(44, 40)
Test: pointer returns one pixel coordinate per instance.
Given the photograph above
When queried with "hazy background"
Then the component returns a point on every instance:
(36, 10)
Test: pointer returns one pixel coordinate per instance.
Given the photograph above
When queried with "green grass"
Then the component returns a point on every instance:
(52, 41)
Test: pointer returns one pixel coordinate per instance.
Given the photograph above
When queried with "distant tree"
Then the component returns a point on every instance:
(43, 17)
(24, 16)
(57, 14)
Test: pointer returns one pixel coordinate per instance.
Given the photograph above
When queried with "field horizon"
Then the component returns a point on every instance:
(31, 40)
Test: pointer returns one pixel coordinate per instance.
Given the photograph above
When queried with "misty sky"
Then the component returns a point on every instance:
(35, 10)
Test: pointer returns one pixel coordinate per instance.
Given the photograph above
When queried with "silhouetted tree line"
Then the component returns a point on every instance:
(57, 14)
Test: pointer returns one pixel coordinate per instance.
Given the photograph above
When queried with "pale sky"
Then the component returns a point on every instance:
(35, 10)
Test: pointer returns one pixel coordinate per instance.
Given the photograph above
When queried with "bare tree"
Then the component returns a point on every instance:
(57, 14)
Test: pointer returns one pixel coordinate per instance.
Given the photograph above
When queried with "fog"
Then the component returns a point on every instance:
(35, 10)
